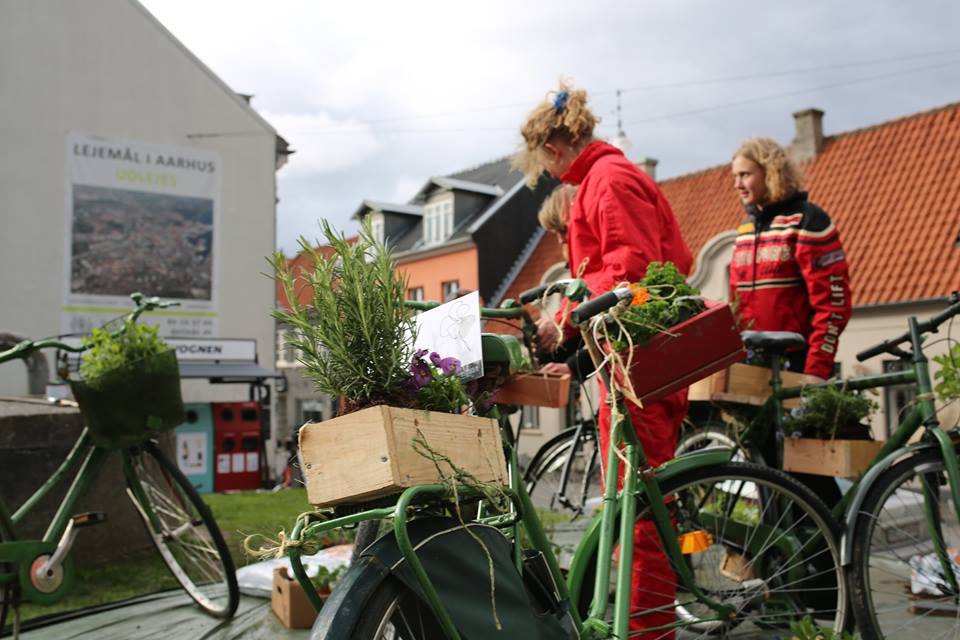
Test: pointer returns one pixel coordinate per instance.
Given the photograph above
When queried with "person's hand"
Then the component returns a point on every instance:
(559, 368)
(548, 338)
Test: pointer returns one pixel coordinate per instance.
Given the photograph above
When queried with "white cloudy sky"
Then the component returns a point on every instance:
(378, 96)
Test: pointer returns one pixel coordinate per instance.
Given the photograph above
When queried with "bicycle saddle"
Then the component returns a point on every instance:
(773, 340)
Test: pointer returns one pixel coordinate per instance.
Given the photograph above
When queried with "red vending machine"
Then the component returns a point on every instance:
(236, 434)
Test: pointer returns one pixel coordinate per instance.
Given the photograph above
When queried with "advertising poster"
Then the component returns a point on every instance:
(140, 217)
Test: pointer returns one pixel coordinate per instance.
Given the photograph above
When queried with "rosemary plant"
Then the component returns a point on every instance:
(354, 334)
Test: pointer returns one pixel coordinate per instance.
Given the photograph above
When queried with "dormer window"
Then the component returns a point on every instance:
(438, 220)
(376, 226)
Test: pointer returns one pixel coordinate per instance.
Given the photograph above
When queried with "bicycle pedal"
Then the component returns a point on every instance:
(89, 518)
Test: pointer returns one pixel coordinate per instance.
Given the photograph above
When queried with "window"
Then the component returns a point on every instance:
(896, 398)
(530, 418)
(437, 221)
(377, 227)
(450, 289)
(286, 353)
(415, 294)
(311, 411)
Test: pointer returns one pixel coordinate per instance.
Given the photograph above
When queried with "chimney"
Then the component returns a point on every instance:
(808, 140)
(648, 166)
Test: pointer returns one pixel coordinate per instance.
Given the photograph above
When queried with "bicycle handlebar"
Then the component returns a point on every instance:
(25, 348)
(485, 312)
(599, 304)
(930, 325)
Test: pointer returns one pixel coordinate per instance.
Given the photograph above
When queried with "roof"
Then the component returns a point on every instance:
(458, 185)
(496, 178)
(893, 190)
(387, 207)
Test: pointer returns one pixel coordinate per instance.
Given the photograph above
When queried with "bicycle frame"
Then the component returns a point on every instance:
(924, 415)
(89, 459)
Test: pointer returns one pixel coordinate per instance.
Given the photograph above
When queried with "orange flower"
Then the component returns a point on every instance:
(640, 295)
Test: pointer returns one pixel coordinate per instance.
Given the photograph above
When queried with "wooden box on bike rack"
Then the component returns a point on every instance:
(745, 384)
(368, 454)
(687, 352)
(536, 389)
(838, 458)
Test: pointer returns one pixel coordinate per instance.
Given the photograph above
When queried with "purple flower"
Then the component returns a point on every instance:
(420, 373)
(449, 366)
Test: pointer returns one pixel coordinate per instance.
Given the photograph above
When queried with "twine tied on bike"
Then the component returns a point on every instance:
(452, 479)
(277, 548)
(558, 326)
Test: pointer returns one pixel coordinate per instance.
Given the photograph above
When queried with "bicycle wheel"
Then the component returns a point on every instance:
(712, 435)
(759, 542)
(582, 491)
(183, 530)
(900, 588)
(394, 612)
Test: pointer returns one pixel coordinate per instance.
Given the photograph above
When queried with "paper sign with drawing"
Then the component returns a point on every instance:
(453, 330)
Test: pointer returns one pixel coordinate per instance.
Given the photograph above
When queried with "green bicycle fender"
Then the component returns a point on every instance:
(668, 470)
(863, 487)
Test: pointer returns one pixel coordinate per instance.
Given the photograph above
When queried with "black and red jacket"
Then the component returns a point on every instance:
(789, 273)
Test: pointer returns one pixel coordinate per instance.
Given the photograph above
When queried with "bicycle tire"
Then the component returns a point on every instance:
(190, 542)
(774, 603)
(890, 543)
(710, 435)
(546, 470)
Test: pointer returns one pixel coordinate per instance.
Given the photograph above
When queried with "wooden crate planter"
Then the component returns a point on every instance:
(838, 458)
(687, 352)
(367, 454)
(746, 384)
(536, 389)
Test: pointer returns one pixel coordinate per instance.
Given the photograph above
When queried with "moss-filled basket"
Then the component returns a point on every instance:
(128, 405)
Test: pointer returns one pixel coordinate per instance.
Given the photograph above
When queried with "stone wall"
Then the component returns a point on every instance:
(34, 440)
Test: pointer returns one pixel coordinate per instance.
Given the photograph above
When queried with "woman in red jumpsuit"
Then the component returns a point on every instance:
(619, 223)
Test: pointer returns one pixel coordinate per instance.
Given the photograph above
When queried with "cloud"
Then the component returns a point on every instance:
(322, 143)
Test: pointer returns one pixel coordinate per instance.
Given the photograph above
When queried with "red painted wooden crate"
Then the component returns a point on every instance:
(691, 350)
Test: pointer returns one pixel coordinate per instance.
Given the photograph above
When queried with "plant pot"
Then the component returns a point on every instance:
(687, 352)
(537, 389)
(837, 458)
(132, 404)
(368, 454)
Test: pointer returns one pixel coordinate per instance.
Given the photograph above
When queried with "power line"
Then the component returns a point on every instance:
(675, 85)
(666, 116)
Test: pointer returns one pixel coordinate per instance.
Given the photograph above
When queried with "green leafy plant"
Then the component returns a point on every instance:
(436, 383)
(807, 629)
(948, 378)
(832, 412)
(354, 332)
(661, 300)
(108, 351)
(326, 580)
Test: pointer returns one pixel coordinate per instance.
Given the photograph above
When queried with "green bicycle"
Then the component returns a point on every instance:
(744, 545)
(901, 528)
(177, 520)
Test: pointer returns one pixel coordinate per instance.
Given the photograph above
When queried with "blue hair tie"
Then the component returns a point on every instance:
(560, 102)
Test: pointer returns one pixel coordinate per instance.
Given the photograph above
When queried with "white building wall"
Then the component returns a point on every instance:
(106, 67)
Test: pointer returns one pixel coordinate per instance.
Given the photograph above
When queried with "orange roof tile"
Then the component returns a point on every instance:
(893, 190)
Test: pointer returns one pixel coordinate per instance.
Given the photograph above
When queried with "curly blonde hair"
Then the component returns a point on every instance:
(564, 116)
(554, 213)
(782, 176)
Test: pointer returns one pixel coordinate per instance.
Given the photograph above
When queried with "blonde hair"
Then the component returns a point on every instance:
(563, 116)
(782, 176)
(554, 214)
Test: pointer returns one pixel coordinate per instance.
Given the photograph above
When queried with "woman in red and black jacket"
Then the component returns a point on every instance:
(619, 223)
(788, 271)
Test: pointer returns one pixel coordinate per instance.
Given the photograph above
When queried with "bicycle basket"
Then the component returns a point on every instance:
(132, 404)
